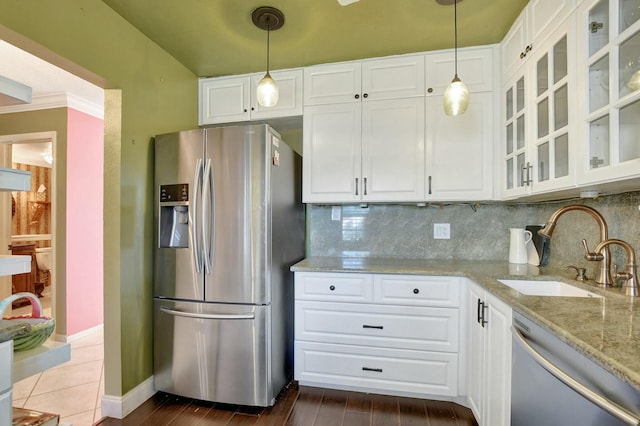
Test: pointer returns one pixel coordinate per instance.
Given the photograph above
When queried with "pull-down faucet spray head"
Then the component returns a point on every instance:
(603, 276)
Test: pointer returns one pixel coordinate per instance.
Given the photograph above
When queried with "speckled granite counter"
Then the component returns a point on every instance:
(605, 329)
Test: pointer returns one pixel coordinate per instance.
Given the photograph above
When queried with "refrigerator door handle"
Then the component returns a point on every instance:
(208, 224)
(168, 311)
(195, 232)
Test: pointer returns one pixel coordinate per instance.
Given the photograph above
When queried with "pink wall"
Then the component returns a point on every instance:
(85, 167)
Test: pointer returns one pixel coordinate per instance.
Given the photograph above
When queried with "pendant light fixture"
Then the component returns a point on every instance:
(269, 19)
(456, 97)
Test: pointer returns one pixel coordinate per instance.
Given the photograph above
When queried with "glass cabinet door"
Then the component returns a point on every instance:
(552, 113)
(514, 154)
(613, 84)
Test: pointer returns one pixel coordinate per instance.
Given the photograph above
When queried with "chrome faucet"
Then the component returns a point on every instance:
(603, 276)
(630, 275)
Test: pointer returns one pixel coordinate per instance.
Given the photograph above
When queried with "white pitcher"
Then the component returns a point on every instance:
(518, 245)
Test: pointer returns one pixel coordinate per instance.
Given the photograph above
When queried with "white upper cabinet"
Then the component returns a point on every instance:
(393, 150)
(409, 150)
(370, 152)
(553, 129)
(332, 153)
(233, 99)
(460, 149)
(361, 81)
(475, 69)
(363, 138)
(290, 95)
(609, 83)
(224, 100)
(538, 125)
(332, 83)
(514, 155)
(538, 20)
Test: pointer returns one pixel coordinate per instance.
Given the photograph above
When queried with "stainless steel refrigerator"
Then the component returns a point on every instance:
(229, 224)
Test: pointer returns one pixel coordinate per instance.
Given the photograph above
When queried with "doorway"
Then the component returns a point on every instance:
(30, 225)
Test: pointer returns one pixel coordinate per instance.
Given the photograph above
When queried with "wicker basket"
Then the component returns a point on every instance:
(41, 327)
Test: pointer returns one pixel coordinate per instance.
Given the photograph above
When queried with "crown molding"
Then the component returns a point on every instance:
(58, 100)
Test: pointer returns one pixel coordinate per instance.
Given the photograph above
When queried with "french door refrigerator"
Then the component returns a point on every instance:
(229, 224)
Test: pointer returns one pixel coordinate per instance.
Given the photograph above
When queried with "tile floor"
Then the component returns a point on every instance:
(73, 389)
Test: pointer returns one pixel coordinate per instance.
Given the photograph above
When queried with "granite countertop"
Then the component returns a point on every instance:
(11, 329)
(607, 329)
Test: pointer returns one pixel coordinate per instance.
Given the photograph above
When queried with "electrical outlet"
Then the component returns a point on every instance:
(441, 231)
(336, 213)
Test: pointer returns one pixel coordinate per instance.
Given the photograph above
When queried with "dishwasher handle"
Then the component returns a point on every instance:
(248, 315)
(606, 404)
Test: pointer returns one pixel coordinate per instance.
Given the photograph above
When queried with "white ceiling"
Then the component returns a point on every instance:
(43, 77)
(31, 152)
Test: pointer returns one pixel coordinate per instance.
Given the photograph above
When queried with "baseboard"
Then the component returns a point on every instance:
(84, 333)
(118, 407)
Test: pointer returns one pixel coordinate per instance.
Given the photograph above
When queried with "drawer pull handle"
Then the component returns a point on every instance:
(332, 287)
(378, 327)
(375, 370)
(416, 291)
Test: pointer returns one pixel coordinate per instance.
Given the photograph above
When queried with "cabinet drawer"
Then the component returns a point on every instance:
(6, 363)
(400, 327)
(417, 290)
(334, 287)
(376, 368)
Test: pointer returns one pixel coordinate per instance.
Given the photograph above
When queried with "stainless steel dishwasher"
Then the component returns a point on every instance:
(553, 384)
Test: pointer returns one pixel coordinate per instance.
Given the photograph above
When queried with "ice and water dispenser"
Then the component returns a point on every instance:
(174, 216)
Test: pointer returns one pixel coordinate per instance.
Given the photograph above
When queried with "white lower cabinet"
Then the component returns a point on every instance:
(391, 334)
(6, 365)
(376, 369)
(489, 346)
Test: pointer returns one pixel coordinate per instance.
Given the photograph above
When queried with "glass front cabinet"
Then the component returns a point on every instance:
(539, 121)
(517, 166)
(609, 79)
(554, 123)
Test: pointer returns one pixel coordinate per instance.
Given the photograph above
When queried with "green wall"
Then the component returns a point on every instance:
(156, 95)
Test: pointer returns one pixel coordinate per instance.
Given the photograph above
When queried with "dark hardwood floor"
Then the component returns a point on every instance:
(303, 406)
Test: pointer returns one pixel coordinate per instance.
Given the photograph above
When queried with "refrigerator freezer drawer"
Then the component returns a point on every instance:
(214, 352)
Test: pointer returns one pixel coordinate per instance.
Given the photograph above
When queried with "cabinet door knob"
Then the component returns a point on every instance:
(366, 95)
(430, 90)
(357, 96)
(245, 110)
(332, 287)
(416, 291)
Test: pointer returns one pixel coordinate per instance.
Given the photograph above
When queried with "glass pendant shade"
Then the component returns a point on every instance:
(456, 97)
(267, 91)
(267, 18)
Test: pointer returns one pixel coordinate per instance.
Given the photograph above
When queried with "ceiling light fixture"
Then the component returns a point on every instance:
(456, 97)
(47, 155)
(269, 19)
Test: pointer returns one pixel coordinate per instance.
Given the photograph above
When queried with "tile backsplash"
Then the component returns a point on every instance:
(477, 231)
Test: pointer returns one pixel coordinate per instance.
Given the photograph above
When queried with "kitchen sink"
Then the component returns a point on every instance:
(547, 288)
